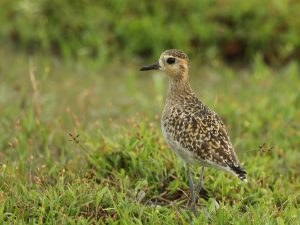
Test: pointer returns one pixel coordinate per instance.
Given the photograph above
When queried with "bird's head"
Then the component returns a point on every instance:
(173, 62)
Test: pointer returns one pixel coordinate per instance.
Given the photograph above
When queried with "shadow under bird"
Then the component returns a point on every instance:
(192, 130)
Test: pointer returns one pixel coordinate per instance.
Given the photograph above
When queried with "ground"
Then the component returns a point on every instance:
(81, 143)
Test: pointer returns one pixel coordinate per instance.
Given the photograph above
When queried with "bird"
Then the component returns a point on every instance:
(191, 129)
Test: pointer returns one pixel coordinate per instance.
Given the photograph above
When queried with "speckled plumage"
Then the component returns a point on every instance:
(192, 130)
(190, 126)
(177, 53)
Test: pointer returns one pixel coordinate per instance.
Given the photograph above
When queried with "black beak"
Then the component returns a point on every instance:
(154, 66)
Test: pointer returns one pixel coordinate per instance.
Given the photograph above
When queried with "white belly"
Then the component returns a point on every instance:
(183, 153)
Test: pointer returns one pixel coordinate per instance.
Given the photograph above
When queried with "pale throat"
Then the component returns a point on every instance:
(179, 80)
(178, 85)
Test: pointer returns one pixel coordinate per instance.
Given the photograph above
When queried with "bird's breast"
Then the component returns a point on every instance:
(174, 145)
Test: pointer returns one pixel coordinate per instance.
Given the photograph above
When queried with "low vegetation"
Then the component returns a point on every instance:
(81, 144)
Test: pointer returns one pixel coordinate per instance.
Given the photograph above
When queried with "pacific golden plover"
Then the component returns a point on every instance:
(192, 130)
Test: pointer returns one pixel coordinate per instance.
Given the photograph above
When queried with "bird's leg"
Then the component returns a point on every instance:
(190, 180)
(191, 189)
(199, 185)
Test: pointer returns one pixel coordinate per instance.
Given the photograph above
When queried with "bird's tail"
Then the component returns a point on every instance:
(239, 172)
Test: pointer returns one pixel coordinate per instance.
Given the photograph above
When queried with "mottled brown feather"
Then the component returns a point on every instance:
(194, 127)
(177, 53)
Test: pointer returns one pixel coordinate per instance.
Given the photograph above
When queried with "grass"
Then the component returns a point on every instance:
(119, 169)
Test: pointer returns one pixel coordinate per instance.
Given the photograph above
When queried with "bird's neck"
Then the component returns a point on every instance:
(179, 88)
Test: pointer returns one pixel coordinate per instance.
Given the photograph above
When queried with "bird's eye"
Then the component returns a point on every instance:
(171, 60)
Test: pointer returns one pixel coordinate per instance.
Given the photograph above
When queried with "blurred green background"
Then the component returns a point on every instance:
(225, 29)
(80, 139)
